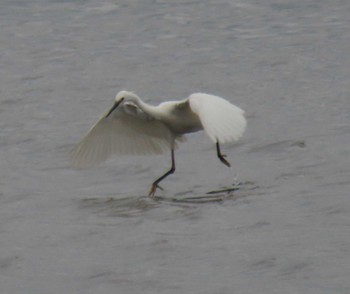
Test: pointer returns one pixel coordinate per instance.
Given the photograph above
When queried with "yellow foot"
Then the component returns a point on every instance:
(153, 190)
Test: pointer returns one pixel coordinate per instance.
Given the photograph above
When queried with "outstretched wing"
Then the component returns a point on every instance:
(127, 131)
(221, 120)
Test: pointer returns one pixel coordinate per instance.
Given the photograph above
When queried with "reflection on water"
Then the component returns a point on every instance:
(121, 207)
(217, 195)
(134, 205)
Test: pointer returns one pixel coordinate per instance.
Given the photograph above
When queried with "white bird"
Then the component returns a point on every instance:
(132, 126)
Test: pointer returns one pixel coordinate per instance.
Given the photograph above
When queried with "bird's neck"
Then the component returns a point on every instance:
(147, 108)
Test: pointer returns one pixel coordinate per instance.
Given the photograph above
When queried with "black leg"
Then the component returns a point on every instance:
(221, 156)
(169, 172)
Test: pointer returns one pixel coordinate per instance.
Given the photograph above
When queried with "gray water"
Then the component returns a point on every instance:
(286, 226)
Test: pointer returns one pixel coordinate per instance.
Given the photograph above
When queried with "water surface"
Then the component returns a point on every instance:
(276, 222)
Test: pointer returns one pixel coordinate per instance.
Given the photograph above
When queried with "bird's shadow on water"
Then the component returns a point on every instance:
(130, 206)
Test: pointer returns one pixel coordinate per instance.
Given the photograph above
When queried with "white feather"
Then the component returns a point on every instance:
(221, 120)
(121, 133)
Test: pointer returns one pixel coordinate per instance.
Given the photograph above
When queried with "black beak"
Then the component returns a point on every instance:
(114, 107)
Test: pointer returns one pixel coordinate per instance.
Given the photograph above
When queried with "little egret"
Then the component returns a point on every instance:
(132, 126)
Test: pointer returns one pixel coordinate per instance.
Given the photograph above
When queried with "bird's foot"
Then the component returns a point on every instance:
(223, 160)
(154, 189)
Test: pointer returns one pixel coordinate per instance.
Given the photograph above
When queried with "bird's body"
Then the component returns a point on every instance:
(178, 117)
(132, 126)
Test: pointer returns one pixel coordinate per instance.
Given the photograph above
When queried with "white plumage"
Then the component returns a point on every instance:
(134, 127)
(221, 120)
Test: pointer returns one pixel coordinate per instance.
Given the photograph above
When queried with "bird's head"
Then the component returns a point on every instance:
(120, 97)
(125, 95)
